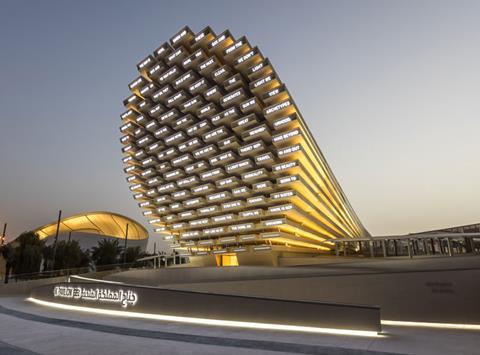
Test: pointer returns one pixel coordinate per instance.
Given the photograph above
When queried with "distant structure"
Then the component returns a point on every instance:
(91, 227)
(446, 241)
(219, 157)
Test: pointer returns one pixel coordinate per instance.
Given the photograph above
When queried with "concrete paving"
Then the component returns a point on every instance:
(32, 328)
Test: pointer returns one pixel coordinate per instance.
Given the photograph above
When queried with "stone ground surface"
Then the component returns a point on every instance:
(26, 328)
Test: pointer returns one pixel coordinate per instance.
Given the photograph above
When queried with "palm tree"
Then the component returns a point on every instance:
(8, 254)
(69, 255)
(106, 252)
(131, 254)
(47, 254)
(28, 253)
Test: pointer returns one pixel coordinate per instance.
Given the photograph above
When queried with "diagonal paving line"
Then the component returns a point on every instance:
(9, 349)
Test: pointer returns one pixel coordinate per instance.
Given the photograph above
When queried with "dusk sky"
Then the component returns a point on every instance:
(390, 90)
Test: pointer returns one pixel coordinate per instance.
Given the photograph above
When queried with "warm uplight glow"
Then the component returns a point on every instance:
(229, 260)
(206, 321)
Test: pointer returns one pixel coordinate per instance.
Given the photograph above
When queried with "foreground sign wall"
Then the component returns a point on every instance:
(149, 300)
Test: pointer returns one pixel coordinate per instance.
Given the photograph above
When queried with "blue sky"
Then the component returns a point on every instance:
(390, 90)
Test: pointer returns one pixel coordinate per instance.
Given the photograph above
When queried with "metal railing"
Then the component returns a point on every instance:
(73, 271)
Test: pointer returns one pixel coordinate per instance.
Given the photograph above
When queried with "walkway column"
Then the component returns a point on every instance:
(449, 244)
(425, 249)
(441, 246)
(472, 245)
(370, 244)
(395, 248)
(344, 248)
(469, 247)
(409, 248)
(433, 246)
(337, 251)
(384, 248)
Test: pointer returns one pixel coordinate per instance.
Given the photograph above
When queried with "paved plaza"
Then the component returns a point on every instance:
(26, 328)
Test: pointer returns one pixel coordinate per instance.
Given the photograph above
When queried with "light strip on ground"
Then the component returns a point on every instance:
(431, 325)
(206, 321)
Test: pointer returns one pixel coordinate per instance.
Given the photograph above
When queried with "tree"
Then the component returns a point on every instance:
(8, 254)
(69, 255)
(131, 254)
(28, 253)
(106, 252)
(47, 253)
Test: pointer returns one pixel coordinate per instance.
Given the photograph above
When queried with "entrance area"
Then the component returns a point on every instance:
(227, 260)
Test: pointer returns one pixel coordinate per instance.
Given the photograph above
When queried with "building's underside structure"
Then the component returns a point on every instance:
(90, 227)
(221, 160)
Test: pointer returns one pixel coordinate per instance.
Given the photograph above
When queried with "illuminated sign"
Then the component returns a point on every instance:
(194, 201)
(135, 83)
(214, 230)
(175, 54)
(254, 174)
(155, 69)
(254, 200)
(207, 63)
(145, 62)
(197, 85)
(240, 190)
(250, 147)
(211, 91)
(218, 40)
(235, 46)
(246, 56)
(122, 297)
(262, 81)
(162, 49)
(285, 136)
(232, 96)
(183, 78)
(169, 73)
(248, 103)
(126, 114)
(190, 234)
(282, 121)
(179, 36)
(278, 107)
(285, 166)
(288, 150)
(223, 218)
(146, 89)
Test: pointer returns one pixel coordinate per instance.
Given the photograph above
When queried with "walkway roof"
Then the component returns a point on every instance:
(104, 223)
